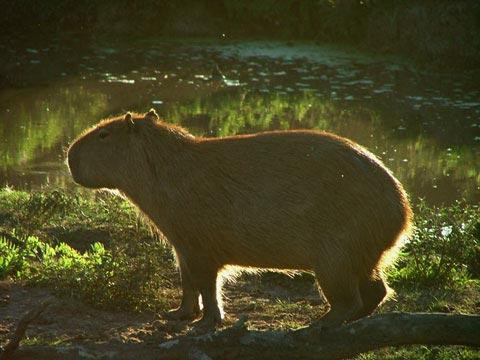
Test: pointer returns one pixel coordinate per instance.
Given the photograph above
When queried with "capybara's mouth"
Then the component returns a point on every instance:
(78, 180)
(75, 175)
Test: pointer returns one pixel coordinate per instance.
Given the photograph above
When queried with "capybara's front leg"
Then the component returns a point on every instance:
(212, 314)
(189, 308)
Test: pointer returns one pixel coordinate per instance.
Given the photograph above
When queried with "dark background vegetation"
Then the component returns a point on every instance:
(445, 33)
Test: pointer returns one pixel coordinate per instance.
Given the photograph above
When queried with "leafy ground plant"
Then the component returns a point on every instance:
(444, 248)
(125, 266)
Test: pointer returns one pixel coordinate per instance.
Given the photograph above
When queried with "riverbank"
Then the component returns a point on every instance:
(442, 34)
(109, 279)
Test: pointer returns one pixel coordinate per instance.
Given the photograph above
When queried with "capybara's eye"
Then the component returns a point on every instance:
(102, 134)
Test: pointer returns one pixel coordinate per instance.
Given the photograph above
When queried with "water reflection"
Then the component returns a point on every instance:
(421, 160)
(421, 125)
(35, 126)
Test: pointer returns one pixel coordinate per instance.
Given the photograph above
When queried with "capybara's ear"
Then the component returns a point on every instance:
(129, 121)
(151, 115)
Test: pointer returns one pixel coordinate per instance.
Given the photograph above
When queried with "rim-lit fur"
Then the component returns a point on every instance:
(288, 200)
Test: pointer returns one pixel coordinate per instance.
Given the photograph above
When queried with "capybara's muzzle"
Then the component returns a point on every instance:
(73, 160)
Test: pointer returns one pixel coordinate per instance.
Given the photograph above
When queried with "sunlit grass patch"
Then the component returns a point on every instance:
(422, 353)
(39, 341)
(129, 268)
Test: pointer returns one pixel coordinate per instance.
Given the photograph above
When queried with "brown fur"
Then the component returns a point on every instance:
(299, 200)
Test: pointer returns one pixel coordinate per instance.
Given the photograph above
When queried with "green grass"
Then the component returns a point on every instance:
(127, 266)
(422, 353)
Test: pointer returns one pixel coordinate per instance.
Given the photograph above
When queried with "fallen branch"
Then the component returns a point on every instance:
(392, 329)
(371, 333)
(20, 330)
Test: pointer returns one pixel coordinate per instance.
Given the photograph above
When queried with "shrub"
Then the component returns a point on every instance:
(445, 246)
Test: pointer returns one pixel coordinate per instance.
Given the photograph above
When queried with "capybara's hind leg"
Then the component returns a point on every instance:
(342, 292)
(373, 292)
(189, 308)
(212, 315)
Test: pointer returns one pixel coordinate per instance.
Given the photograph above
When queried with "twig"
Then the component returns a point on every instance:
(19, 333)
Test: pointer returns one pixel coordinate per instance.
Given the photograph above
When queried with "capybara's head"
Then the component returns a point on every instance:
(103, 156)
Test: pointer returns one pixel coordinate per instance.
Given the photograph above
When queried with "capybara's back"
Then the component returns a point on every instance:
(303, 200)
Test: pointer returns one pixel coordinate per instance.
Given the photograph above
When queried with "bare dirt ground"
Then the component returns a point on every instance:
(70, 329)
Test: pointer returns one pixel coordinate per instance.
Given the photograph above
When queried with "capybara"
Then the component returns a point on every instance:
(286, 200)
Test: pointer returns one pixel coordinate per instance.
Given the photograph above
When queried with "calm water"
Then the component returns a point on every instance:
(424, 126)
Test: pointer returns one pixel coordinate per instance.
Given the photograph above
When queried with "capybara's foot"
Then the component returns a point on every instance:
(182, 314)
(206, 324)
(373, 292)
(335, 317)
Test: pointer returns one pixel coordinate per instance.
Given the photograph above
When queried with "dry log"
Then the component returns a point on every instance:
(392, 329)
